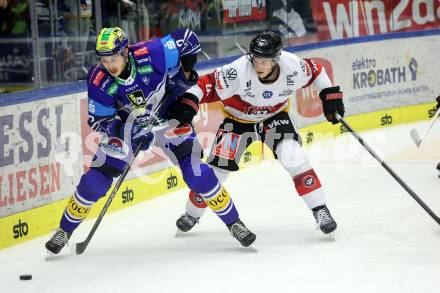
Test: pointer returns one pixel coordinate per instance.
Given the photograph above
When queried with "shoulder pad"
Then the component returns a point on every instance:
(149, 53)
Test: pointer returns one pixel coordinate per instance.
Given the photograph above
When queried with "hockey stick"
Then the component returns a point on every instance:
(81, 246)
(415, 135)
(392, 173)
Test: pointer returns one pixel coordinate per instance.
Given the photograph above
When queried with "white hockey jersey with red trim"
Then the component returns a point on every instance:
(245, 97)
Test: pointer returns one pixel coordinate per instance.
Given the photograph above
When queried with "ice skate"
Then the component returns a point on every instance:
(58, 241)
(241, 233)
(324, 220)
(185, 223)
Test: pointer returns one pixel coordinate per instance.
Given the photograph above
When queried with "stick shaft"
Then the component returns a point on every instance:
(389, 170)
(430, 124)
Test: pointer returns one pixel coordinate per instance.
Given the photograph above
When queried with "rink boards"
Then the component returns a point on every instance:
(45, 144)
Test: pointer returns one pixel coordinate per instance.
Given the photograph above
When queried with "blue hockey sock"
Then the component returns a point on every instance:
(92, 186)
(207, 185)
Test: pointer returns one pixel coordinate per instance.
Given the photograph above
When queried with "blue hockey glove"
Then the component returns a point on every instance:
(178, 84)
(131, 133)
(141, 135)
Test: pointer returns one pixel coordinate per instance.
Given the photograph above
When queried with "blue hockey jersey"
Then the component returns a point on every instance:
(152, 62)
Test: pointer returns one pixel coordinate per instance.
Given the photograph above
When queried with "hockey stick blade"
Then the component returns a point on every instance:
(415, 137)
(80, 247)
(399, 180)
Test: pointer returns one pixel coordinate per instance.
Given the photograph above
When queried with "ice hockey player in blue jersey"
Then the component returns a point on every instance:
(436, 108)
(136, 96)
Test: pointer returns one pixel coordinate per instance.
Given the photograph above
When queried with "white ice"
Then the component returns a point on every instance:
(385, 242)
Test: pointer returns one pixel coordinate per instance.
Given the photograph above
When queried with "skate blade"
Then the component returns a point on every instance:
(252, 248)
(49, 255)
(179, 233)
(330, 236)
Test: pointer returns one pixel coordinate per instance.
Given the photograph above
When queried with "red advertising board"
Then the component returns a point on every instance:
(338, 19)
(243, 10)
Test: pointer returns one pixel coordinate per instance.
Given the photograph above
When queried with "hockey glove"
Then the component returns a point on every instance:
(184, 108)
(178, 84)
(139, 135)
(331, 103)
(438, 103)
(130, 133)
(188, 62)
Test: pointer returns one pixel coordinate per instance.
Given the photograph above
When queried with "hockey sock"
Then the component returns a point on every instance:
(308, 186)
(220, 202)
(92, 186)
(201, 179)
(195, 205)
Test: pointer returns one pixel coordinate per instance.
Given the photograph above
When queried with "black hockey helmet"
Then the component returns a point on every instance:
(267, 44)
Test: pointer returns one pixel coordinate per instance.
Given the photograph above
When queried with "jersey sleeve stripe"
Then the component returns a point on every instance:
(315, 69)
(171, 52)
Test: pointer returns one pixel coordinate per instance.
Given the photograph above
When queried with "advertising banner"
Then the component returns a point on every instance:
(339, 19)
(375, 76)
(243, 10)
(34, 138)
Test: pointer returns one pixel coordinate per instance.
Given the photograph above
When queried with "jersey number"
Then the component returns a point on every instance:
(137, 98)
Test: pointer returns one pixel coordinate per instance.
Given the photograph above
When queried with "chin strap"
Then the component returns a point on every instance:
(274, 66)
(270, 73)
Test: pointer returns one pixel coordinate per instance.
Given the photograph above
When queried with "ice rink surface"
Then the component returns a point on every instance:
(384, 242)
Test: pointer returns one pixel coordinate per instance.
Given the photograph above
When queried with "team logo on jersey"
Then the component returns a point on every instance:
(290, 79)
(137, 98)
(267, 94)
(231, 74)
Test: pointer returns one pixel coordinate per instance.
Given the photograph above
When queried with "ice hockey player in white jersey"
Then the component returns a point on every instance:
(255, 91)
